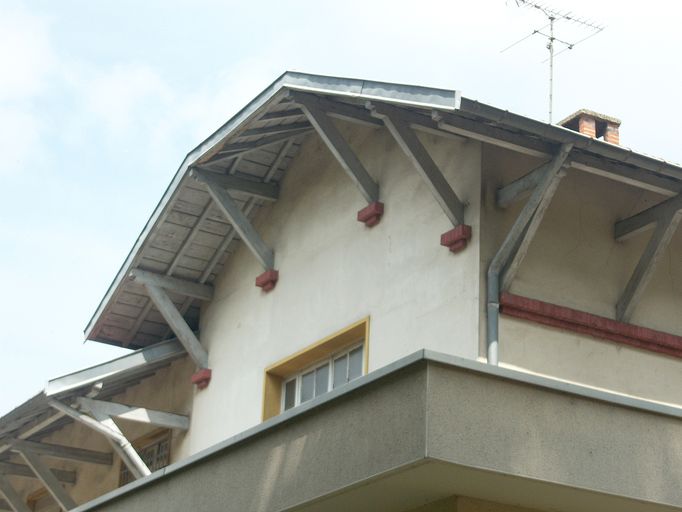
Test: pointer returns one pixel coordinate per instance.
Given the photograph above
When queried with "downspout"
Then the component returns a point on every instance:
(120, 443)
(544, 190)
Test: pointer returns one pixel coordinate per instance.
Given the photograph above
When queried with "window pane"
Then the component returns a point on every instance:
(355, 364)
(340, 367)
(290, 394)
(307, 386)
(321, 380)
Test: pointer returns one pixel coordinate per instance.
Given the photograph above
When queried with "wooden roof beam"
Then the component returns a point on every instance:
(108, 428)
(339, 110)
(646, 219)
(549, 183)
(258, 189)
(233, 150)
(271, 130)
(665, 229)
(282, 114)
(239, 221)
(136, 414)
(408, 141)
(64, 452)
(48, 479)
(517, 189)
(338, 146)
(12, 496)
(21, 470)
(173, 284)
(177, 324)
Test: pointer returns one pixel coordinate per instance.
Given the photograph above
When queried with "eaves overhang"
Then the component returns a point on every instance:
(126, 324)
(189, 238)
(36, 417)
(431, 426)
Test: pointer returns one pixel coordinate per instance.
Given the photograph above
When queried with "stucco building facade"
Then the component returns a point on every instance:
(385, 297)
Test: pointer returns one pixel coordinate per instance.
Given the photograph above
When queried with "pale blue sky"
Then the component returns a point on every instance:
(100, 101)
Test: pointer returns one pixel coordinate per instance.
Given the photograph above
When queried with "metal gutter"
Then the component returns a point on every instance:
(559, 134)
(421, 356)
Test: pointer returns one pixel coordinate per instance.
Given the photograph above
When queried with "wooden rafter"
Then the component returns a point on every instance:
(22, 470)
(177, 324)
(338, 146)
(665, 229)
(64, 452)
(107, 427)
(239, 221)
(233, 150)
(549, 183)
(259, 189)
(136, 414)
(408, 141)
(48, 479)
(12, 496)
(173, 284)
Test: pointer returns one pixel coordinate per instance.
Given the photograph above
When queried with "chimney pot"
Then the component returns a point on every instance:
(611, 133)
(587, 126)
(593, 124)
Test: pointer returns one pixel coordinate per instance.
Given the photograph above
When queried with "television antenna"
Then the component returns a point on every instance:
(547, 31)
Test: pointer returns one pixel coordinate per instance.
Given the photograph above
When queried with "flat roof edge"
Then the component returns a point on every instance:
(420, 356)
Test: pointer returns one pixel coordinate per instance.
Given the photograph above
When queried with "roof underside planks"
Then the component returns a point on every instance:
(189, 238)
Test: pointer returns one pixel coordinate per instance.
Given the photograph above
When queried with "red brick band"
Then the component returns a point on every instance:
(592, 325)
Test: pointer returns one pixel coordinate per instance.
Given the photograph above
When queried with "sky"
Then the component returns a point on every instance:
(101, 100)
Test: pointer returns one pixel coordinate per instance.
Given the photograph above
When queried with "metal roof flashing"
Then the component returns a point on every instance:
(411, 95)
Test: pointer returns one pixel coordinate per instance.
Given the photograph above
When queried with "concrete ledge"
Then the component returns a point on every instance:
(420, 430)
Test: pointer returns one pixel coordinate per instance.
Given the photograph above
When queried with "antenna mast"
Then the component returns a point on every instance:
(550, 47)
(553, 16)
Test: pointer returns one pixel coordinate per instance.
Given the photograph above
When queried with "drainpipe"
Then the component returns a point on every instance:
(120, 443)
(542, 193)
(493, 309)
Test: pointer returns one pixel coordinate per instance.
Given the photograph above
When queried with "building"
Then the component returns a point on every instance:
(371, 296)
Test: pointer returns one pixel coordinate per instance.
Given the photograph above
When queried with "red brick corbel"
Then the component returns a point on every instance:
(202, 378)
(371, 214)
(456, 239)
(267, 280)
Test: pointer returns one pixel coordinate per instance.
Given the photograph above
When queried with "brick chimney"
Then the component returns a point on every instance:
(593, 125)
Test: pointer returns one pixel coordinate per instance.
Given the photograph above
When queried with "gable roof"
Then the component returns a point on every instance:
(188, 238)
(259, 142)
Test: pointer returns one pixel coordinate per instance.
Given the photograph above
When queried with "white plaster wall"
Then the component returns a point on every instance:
(574, 261)
(335, 271)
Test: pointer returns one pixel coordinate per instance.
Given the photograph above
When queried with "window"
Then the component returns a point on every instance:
(154, 450)
(316, 369)
(322, 377)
